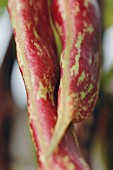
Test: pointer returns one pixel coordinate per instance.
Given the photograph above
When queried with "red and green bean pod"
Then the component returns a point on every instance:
(78, 23)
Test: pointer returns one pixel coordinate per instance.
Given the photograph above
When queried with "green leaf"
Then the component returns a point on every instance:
(108, 13)
(3, 3)
(57, 40)
(106, 80)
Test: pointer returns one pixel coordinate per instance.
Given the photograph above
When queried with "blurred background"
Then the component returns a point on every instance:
(16, 146)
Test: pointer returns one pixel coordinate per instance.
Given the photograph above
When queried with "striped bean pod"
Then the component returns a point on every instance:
(78, 24)
(38, 62)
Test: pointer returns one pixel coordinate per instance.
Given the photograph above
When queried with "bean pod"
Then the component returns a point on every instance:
(78, 24)
(38, 62)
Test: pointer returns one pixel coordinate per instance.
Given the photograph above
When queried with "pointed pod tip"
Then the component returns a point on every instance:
(59, 131)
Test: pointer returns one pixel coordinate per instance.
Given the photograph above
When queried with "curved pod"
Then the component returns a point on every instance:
(39, 66)
(78, 24)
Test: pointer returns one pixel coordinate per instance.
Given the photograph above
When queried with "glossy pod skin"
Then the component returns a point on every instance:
(79, 27)
(38, 62)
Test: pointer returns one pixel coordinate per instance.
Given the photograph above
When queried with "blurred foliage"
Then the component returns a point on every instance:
(108, 13)
(57, 40)
(104, 127)
(3, 3)
(106, 80)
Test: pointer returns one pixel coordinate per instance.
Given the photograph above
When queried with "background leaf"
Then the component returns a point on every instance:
(108, 13)
(3, 3)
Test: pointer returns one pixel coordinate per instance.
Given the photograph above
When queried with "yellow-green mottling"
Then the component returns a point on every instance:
(86, 3)
(77, 115)
(35, 33)
(50, 89)
(83, 94)
(42, 92)
(82, 76)
(79, 41)
(75, 68)
(90, 87)
(90, 28)
(92, 99)
(84, 108)
(69, 165)
(38, 48)
(65, 159)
